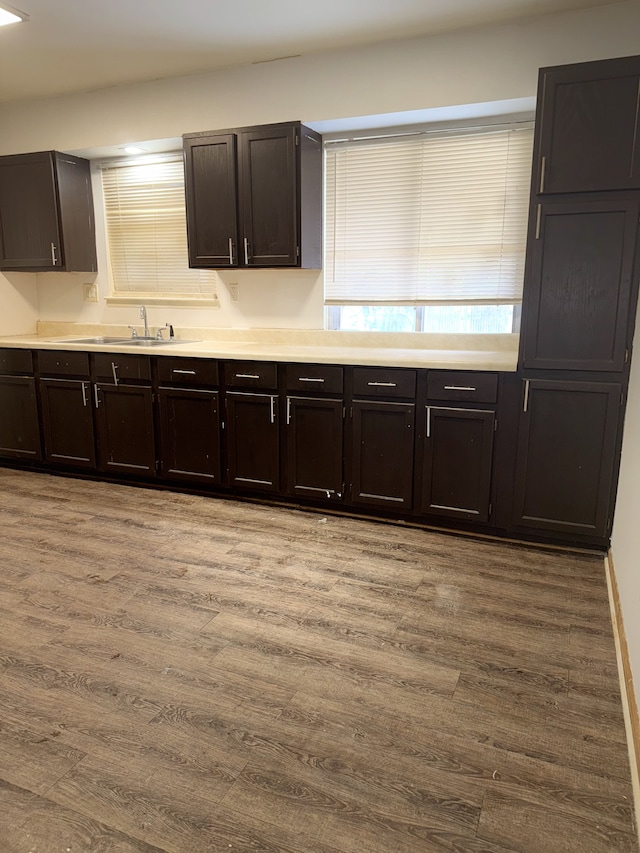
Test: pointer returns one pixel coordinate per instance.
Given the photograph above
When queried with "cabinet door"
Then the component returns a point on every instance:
(566, 456)
(67, 416)
(29, 235)
(267, 191)
(579, 285)
(383, 454)
(19, 430)
(190, 434)
(314, 447)
(252, 436)
(457, 462)
(125, 429)
(211, 199)
(588, 125)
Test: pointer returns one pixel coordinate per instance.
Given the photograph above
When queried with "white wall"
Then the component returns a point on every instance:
(492, 63)
(625, 542)
(18, 303)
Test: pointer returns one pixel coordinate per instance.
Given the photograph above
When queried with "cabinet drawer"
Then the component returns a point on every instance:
(251, 374)
(56, 363)
(188, 371)
(463, 386)
(109, 366)
(16, 361)
(315, 377)
(384, 382)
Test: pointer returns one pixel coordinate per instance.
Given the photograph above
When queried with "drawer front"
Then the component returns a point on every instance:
(312, 378)
(57, 363)
(16, 361)
(112, 366)
(384, 382)
(188, 371)
(464, 386)
(250, 374)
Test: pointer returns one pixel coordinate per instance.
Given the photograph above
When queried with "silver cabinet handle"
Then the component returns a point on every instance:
(273, 410)
(459, 388)
(383, 384)
(84, 394)
(538, 218)
(54, 260)
(95, 395)
(247, 376)
(428, 422)
(230, 250)
(246, 251)
(543, 169)
(525, 407)
(288, 410)
(114, 370)
(185, 372)
(308, 379)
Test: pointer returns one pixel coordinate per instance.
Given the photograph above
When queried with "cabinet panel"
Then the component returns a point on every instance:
(67, 416)
(212, 217)
(383, 454)
(124, 419)
(16, 361)
(60, 363)
(579, 285)
(269, 211)
(315, 447)
(327, 378)
(188, 371)
(117, 367)
(461, 386)
(190, 434)
(457, 464)
(19, 429)
(566, 455)
(384, 382)
(588, 125)
(252, 441)
(251, 374)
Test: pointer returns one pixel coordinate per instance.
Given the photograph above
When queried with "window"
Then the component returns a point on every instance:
(146, 231)
(427, 231)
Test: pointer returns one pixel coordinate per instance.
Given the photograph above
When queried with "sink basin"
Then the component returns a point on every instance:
(135, 342)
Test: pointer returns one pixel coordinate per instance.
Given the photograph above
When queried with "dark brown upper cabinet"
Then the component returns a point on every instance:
(254, 197)
(587, 127)
(579, 285)
(46, 213)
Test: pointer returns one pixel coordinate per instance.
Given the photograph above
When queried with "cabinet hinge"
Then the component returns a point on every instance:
(626, 356)
(495, 425)
(622, 398)
(490, 509)
(297, 139)
(297, 251)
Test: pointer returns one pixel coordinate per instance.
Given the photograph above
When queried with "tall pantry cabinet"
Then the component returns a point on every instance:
(581, 288)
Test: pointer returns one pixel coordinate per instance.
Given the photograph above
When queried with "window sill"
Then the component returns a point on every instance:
(177, 300)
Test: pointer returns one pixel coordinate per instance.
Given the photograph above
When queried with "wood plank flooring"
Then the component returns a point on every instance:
(184, 674)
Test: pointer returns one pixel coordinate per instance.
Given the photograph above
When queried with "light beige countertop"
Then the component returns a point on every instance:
(380, 349)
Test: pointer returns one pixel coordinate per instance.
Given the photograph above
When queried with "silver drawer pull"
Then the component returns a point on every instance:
(114, 370)
(308, 379)
(247, 376)
(459, 388)
(186, 372)
(84, 394)
(383, 384)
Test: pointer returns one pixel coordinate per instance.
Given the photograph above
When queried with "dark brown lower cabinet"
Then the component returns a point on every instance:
(124, 421)
(67, 418)
(315, 448)
(383, 449)
(19, 428)
(457, 462)
(252, 441)
(566, 456)
(190, 434)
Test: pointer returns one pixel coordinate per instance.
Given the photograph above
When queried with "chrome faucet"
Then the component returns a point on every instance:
(143, 316)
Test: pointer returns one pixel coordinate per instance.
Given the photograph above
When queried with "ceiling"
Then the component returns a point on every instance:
(82, 45)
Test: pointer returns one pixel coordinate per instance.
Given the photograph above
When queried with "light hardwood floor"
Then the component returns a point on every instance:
(186, 674)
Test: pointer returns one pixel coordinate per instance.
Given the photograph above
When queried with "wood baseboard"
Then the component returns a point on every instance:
(629, 694)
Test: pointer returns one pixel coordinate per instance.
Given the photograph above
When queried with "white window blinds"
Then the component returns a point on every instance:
(146, 230)
(428, 218)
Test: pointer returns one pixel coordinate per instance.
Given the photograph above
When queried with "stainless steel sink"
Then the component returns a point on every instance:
(135, 342)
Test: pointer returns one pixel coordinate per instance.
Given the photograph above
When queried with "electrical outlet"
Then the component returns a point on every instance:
(90, 292)
(233, 292)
